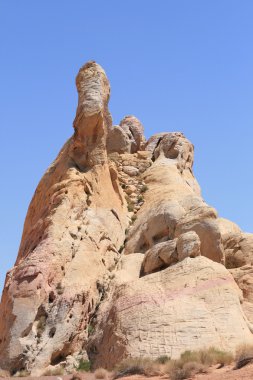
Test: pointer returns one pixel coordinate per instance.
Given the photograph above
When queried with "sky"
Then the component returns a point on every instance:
(177, 65)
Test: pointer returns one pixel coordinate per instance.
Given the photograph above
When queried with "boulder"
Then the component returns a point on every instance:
(191, 305)
(188, 245)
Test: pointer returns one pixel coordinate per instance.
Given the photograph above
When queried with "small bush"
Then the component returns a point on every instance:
(243, 356)
(144, 188)
(84, 365)
(180, 374)
(162, 359)
(193, 362)
(137, 366)
(140, 198)
(130, 207)
(90, 329)
(100, 373)
(134, 217)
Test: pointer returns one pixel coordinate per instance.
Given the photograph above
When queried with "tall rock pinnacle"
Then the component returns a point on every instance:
(92, 116)
(120, 255)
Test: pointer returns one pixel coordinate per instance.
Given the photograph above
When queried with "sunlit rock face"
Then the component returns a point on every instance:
(120, 255)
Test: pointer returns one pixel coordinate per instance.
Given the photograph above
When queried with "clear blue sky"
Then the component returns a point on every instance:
(184, 65)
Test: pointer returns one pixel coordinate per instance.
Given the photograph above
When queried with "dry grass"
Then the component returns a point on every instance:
(137, 366)
(22, 373)
(193, 362)
(101, 373)
(53, 371)
(76, 376)
(244, 355)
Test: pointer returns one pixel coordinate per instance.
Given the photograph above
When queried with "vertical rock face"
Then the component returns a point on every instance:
(73, 230)
(110, 261)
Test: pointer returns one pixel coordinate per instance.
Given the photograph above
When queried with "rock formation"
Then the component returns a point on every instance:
(120, 255)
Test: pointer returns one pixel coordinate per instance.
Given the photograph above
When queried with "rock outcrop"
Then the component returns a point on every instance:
(191, 305)
(73, 230)
(120, 255)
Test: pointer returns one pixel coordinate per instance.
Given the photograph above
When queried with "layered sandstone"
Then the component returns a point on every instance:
(120, 255)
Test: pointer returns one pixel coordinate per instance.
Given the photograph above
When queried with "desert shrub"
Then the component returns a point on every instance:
(130, 207)
(193, 362)
(84, 365)
(140, 198)
(180, 374)
(162, 359)
(207, 357)
(134, 217)
(53, 371)
(100, 373)
(137, 366)
(144, 188)
(243, 356)
(90, 329)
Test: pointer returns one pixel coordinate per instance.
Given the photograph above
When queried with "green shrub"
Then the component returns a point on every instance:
(144, 188)
(130, 207)
(134, 217)
(140, 198)
(162, 359)
(90, 329)
(193, 362)
(84, 365)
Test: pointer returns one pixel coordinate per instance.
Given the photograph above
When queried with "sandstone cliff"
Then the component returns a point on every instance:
(120, 255)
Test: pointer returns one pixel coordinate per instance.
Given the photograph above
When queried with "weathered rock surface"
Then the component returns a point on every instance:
(193, 304)
(127, 137)
(173, 204)
(74, 227)
(120, 255)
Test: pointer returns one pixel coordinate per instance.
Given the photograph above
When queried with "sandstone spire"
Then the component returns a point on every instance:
(120, 255)
(92, 116)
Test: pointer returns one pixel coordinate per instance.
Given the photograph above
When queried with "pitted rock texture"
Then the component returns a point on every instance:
(192, 304)
(73, 230)
(111, 258)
